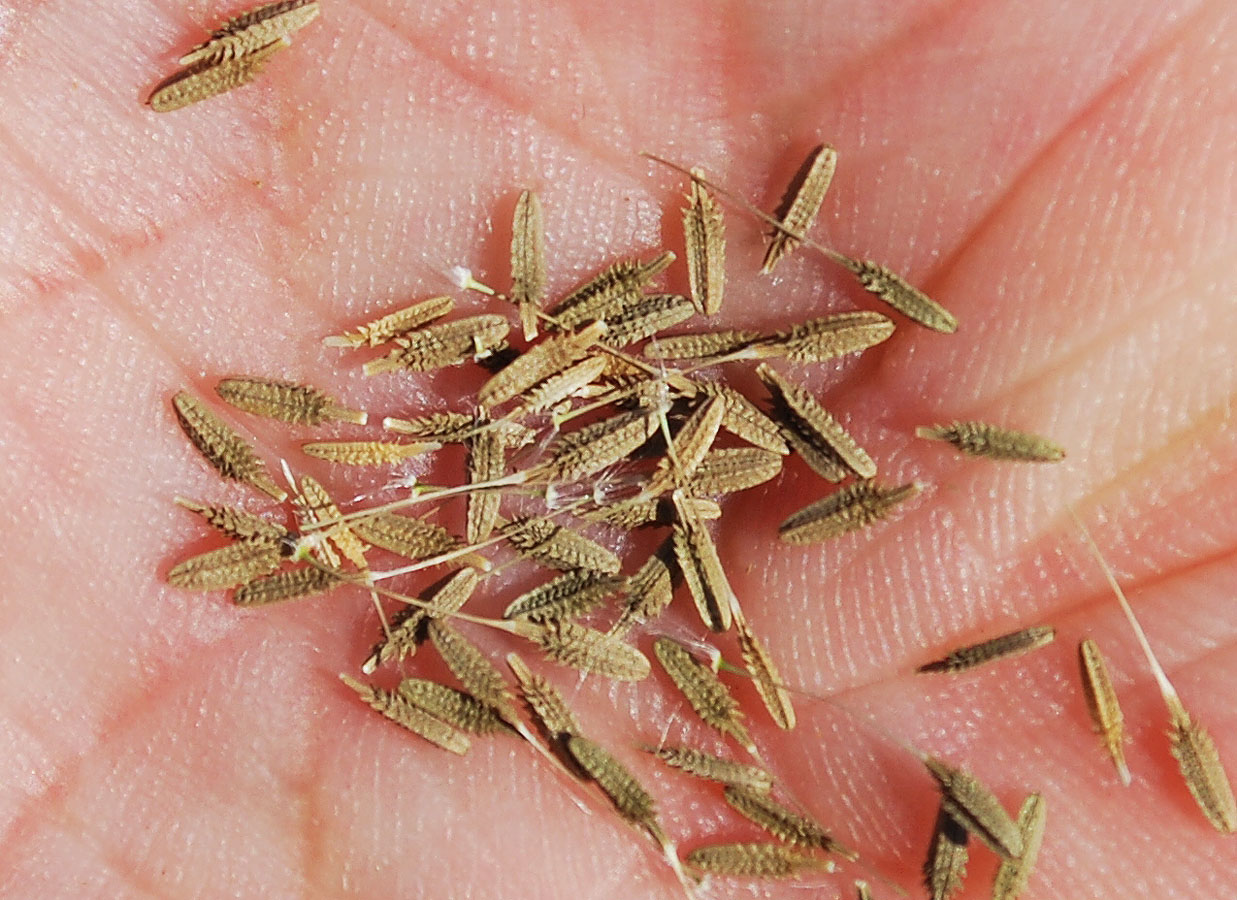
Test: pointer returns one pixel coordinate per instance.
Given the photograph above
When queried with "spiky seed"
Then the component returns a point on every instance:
(1102, 703)
(566, 384)
(588, 450)
(314, 505)
(405, 536)
(649, 590)
(404, 714)
(1015, 643)
(408, 627)
(688, 448)
(850, 509)
(284, 401)
(528, 276)
(732, 470)
(383, 329)
(701, 346)
(609, 292)
(446, 427)
(714, 768)
(367, 453)
(542, 361)
(486, 462)
(814, 434)
(226, 567)
(646, 317)
(765, 676)
(802, 202)
(1012, 876)
(756, 861)
(704, 234)
(703, 689)
(994, 442)
(628, 797)
(253, 30)
(702, 567)
(976, 809)
(473, 669)
(456, 708)
(566, 597)
(1204, 774)
(295, 584)
(743, 419)
(237, 523)
(206, 78)
(559, 547)
(783, 823)
(826, 338)
(902, 296)
(544, 701)
(588, 650)
(445, 344)
(945, 867)
(228, 452)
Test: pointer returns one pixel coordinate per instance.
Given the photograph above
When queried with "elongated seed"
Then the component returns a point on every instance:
(609, 292)
(976, 809)
(566, 597)
(783, 823)
(404, 714)
(801, 204)
(313, 504)
(744, 419)
(814, 434)
(994, 441)
(566, 384)
(285, 401)
(367, 453)
(688, 448)
(445, 344)
(588, 650)
(392, 325)
(546, 359)
(237, 523)
(404, 535)
(253, 30)
(826, 338)
(649, 590)
(850, 509)
(588, 450)
(456, 708)
(228, 452)
(756, 861)
(474, 670)
(408, 628)
(557, 546)
(768, 681)
(528, 274)
(486, 462)
(901, 295)
(945, 867)
(1102, 703)
(1013, 644)
(1013, 874)
(703, 689)
(1204, 774)
(702, 568)
(714, 768)
(645, 317)
(701, 346)
(295, 584)
(206, 78)
(704, 234)
(626, 794)
(543, 700)
(226, 567)
(732, 470)
(446, 427)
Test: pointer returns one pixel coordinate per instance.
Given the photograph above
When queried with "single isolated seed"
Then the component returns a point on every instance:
(826, 338)
(237, 523)
(814, 434)
(367, 453)
(392, 325)
(456, 708)
(528, 274)
(626, 794)
(1013, 874)
(226, 567)
(404, 714)
(473, 669)
(783, 823)
(285, 401)
(1204, 774)
(228, 452)
(253, 30)
(587, 650)
(295, 584)
(1015, 643)
(704, 691)
(994, 442)
(945, 867)
(765, 676)
(569, 596)
(756, 861)
(557, 546)
(1102, 704)
(207, 78)
(976, 809)
(850, 509)
(900, 294)
(801, 204)
(714, 768)
(543, 700)
(704, 234)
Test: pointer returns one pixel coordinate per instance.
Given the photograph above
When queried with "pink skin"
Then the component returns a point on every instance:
(1060, 175)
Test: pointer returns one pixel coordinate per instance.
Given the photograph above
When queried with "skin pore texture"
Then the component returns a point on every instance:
(1060, 175)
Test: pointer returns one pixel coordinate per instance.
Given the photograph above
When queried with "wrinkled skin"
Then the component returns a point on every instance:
(1060, 175)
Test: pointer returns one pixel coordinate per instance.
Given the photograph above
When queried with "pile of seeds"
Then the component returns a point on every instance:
(591, 424)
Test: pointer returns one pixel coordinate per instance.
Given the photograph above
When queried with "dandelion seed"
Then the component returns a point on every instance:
(1102, 703)
(544, 701)
(743, 419)
(826, 338)
(609, 292)
(253, 30)
(783, 823)
(206, 78)
(446, 428)
(569, 596)
(994, 442)
(945, 867)
(528, 275)
(850, 509)
(690, 444)
(392, 325)
(588, 450)
(404, 714)
(1015, 643)
(1204, 774)
(588, 650)
(976, 809)
(1013, 874)
(814, 434)
(237, 523)
(409, 627)
(714, 768)
(645, 317)
(284, 401)
(226, 567)
(704, 233)
(701, 346)
(559, 547)
(367, 453)
(442, 345)
(406, 536)
(898, 293)
(474, 671)
(801, 204)
(228, 452)
(486, 462)
(295, 584)
(702, 568)
(765, 676)
(756, 861)
(704, 691)
(540, 362)
(314, 506)
(733, 470)
(649, 590)
(456, 708)
(626, 794)
(566, 384)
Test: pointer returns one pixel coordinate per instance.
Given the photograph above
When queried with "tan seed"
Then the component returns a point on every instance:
(733, 470)
(783, 823)
(404, 714)
(447, 427)
(226, 567)
(284, 401)
(609, 292)
(1007, 645)
(945, 867)
(901, 295)
(557, 546)
(544, 701)
(228, 452)
(456, 708)
(1013, 874)
(237, 523)
(588, 450)
(295, 584)
(645, 317)
(850, 509)
(701, 346)
(486, 462)
(826, 338)
(768, 681)
(566, 384)
(1102, 703)
(704, 690)
(367, 453)
(383, 329)
(626, 794)
(542, 361)
(473, 669)
(206, 78)
(976, 809)
(814, 434)
(702, 568)
(714, 768)
(744, 419)
(588, 650)
(408, 628)
(649, 590)
(314, 505)
(1204, 774)
(569, 596)
(802, 202)
(756, 861)
(528, 273)
(406, 536)
(704, 234)
(445, 344)
(994, 442)
(253, 30)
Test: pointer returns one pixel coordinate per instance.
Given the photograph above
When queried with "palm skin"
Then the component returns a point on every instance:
(1060, 176)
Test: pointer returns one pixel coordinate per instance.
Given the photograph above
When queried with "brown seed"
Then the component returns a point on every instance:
(994, 442)
(588, 650)
(783, 823)
(765, 676)
(228, 452)
(568, 596)
(738, 469)
(206, 78)
(456, 708)
(486, 462)
(649, 590)
(367, 453)
(814, 434)
(557, 546)
(566, 384)
(284, 401)
(295, 584)
(542, 361)
(801, 204)
(704, 691)
(408, 627)
(702, 568)
(945, 867)
(701, 346)
(253, 30)
(403, 713)
(714, 768)
(406, 536)
(1013, 644)
(528, 275)
(744, 419)
(704, 234)
(688, 448)
(237, 523)
(850, 509)
(383, 329)
(756, 861)
(313, 506)
(474, 670)
(445, 344)
(976, 809)
(1204, 774)
(826, 338)
(1102, 703)
(646, 317)
(544, 701)
(226, 567)
(588, 450)
(902, 296)
(609, 292)
(1013, 874)
(446, 427)
(626, 794)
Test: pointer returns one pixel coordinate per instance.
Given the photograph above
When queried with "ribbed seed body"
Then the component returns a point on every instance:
(783, 823)
(205, 78)
(715, 768)
(404, 535)
(1013, 644)
(1013, 874)
(732, 470)
(408, 626)
(903, 296)
(226, 567)
(394, 707)
(976, 809)
(295, 584)
(1204, 774)
(823, 339)
(801, 204)
(649, 591)
(945, 868)
(755, 861)
(702, 568)
(703, 689)
(392, 325)
(812, 432)
(228, 452)
(367, 453)
(589, 650)
(704, 235)
(850, 509)
(253, 30)
(765, 676)
(1103, 705)
(528, 271)
(646, 317)
(473, 669)
(544, 701)
(994, 442)
(284, 401)
(442, 345)
(237, 523)
(626, 794)
(567, 597)
(456, 708)
(609, 292)
(559, 547)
